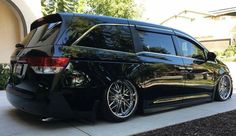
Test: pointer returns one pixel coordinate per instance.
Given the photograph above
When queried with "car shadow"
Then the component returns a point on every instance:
(27, 119)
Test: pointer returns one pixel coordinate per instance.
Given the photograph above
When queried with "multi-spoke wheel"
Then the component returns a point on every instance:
(224, 88)
(120, 100)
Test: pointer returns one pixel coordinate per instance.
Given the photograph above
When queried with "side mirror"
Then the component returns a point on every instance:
(211, 56)
(18, 45)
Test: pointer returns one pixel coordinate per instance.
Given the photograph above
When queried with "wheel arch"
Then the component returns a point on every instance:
(217, 84)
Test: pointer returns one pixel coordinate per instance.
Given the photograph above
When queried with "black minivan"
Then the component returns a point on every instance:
(70, 64)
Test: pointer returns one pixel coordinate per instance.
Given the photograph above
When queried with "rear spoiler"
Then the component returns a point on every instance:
(44, 20)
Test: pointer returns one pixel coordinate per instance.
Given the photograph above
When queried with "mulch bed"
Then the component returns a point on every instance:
(223, 124)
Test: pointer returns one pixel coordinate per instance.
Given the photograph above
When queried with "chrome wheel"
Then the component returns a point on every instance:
(122, 98)
(225, 87)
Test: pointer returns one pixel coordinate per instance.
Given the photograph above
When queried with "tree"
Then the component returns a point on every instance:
(115, 8)
(54, 6)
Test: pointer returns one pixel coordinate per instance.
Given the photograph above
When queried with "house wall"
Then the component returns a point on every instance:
(215, 33)
(9, 32)
(16, 17)
(218, 45)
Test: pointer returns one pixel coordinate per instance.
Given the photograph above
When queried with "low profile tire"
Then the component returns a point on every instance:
(224, 88)
(120, 101)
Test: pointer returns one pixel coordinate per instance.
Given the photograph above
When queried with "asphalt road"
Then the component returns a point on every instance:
(17, 123)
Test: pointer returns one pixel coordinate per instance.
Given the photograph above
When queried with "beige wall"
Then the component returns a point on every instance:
(31, 10)
(9, 32)
(14, 15)
(205, 29)
(217, 45)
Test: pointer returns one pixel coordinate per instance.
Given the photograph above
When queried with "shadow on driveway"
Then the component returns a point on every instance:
(17, 123)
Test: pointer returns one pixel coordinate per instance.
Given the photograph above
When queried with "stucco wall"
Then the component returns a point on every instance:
(31, 10)
(16, 17)
(9, 32)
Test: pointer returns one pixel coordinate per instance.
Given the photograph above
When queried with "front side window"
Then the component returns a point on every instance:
(113, 37)
(158, 43)
(189, 49)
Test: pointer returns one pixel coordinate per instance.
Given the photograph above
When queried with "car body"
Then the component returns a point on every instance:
(72, 64)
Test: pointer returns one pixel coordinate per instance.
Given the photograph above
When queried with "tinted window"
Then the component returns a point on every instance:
(159, 43)
(189, 49)
(43, 35)
(28, 37)
(76, 29)
(109, 37)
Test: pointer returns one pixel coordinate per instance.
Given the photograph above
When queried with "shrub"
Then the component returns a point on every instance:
(219, 53)
(228, 54)
(230, 51)
(4, 74)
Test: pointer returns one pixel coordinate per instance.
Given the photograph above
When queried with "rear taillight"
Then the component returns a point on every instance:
(46, 65)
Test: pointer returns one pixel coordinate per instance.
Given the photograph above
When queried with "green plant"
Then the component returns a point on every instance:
(228, 54)
(219, 53)
(230, 51)
(115, 8)
(4, 74)
(54, 6)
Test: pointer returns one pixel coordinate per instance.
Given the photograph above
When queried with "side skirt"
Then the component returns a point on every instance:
(180, 104)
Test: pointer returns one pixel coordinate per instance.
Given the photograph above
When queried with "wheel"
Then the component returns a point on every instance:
(224, 88)
(119, 101)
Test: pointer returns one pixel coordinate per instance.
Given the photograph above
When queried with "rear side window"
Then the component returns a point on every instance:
(113, 37)
(158, 43)
(190, 49)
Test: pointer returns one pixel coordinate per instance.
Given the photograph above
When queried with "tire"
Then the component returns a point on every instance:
(224, 88)
(120, 101)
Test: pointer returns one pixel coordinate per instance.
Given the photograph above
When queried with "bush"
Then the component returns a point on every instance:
(228, 54)
(219, 53)
(230, 51)
(4, 74)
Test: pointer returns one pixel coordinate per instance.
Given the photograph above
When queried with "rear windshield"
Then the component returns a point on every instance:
(43, 35)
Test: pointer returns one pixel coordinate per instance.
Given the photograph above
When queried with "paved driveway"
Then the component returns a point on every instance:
(16, 123)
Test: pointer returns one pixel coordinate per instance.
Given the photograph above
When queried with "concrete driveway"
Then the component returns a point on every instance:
(17, 123)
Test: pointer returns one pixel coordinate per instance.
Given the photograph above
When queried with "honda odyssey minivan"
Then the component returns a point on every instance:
(70, 64)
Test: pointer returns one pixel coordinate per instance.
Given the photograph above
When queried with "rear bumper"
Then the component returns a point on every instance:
(27, 103)
(42, 104)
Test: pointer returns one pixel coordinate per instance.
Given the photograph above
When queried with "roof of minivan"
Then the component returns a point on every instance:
(107, 19)
(110, 19)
